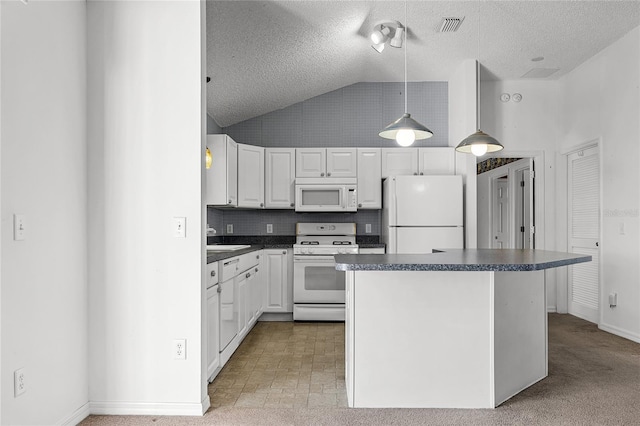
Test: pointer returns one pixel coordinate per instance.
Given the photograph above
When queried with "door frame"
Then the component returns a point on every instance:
(562, 220)
(538, 194)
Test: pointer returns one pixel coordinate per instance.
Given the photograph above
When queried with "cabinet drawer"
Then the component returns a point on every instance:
(249, 260)
(212, 274)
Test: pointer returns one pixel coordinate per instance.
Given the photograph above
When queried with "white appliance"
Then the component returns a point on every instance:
(326, 195)
(318, 289)
(422, 213)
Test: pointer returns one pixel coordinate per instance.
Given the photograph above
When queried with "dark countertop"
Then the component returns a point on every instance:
(216, 256)
(371, 245)
(460, 260)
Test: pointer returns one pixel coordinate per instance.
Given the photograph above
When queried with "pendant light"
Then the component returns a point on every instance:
(405, 130)
(208, 158)
(479, 143)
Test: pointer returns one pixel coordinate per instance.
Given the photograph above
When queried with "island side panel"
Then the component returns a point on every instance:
(348, 338)
(422, 339)
(520, 332)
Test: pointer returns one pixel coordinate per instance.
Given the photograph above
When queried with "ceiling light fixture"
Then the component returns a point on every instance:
(389, 32)
(405, 130)
(478, 143)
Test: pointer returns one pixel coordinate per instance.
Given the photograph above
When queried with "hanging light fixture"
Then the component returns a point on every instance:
(479, 143)
(405, 130)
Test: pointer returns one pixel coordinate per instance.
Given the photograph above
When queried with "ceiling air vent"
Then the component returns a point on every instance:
(450, 25)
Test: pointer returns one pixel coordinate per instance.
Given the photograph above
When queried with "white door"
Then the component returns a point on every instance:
(399, 161)
(250, 176)
(584, 232)
(280, 177)
(524, 226)
(341, 162)
(311, 162)
(428, 201)
(500, 214)
(369, 179)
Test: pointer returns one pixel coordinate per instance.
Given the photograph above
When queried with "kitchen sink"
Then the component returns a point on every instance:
(227, 247)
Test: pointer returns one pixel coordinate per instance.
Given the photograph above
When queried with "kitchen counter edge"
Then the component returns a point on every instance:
(215, 257)
(460, 260)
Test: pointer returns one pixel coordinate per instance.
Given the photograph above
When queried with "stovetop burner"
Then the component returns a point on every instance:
(342, 243)
(310, 243)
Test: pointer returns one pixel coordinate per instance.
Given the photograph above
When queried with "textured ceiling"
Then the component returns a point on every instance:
(266, 55)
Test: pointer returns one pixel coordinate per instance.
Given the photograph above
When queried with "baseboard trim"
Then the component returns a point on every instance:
(552, 309)
(620, 332)
(276, 316)
(149, 408)
(77, 416)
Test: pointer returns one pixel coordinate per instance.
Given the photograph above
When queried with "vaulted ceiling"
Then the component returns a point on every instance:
(267, 55)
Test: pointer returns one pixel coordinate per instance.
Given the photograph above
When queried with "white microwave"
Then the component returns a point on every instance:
(326, 195)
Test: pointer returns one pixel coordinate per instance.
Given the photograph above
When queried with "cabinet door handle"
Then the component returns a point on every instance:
(261, 204)
(359, 204)
(322, 174)
(292, 204)
(219, 290)
(597, 244)
(248, 275)
(328, 174)
(415, 174)
(284, 252)
(256, 269)
(229, 202)
(213, 273)
(257, 256)
(421, 174)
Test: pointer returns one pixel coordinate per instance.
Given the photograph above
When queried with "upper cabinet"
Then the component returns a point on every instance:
(326, 162)
(437, 161)
(418, 161)
(369, 178)
(280, 178)
(399, 162)
(222, 176)
(250, 176)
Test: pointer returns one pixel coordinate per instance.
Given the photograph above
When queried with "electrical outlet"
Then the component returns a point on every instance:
(367, 228)
(269, 228)
(19, 383)
(229, 228)
(180, 349)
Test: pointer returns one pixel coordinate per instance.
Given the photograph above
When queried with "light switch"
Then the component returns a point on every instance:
(19, 227)
(180, 227)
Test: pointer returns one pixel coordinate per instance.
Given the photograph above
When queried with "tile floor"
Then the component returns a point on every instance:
(285, 365)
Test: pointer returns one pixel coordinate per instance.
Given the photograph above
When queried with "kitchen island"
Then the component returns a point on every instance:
(451, 329)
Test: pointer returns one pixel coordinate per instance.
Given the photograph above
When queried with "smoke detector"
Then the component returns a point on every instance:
(450, 25)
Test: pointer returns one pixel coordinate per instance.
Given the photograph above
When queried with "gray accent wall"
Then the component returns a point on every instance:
(348, 117)
(212, 126)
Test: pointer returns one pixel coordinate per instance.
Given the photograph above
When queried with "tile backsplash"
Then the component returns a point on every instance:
(254, 222)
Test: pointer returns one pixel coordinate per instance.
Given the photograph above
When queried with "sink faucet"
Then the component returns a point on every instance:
(210, 230)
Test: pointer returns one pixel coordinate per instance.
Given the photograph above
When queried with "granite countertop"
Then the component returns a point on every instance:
(216, 256)
(460, 260)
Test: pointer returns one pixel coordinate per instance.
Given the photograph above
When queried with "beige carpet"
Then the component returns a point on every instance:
(594, 379)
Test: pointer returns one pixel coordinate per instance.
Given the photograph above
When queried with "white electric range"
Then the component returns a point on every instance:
(318, 289)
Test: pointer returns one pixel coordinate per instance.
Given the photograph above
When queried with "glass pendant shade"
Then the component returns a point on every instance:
(401, 126)
(208, 159)
(479, 144)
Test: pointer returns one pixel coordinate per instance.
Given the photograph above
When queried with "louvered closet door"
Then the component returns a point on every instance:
(584, 232)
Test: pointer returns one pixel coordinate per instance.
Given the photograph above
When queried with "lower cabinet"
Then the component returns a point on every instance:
(213, 330)
(278, 276)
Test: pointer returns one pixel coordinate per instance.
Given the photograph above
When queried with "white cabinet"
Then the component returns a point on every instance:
(213, 319)
(341, 162)
(326, 162)
(278, 265)
(222, 176)
(437, 161)
(369, 178)
(399, 161)
(280, 178)
(241, 289)
(418, 161)
(250, 176)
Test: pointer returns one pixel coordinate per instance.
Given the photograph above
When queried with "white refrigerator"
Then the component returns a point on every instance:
(422, 213)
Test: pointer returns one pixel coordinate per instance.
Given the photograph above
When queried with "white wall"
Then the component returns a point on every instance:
(43, 176)
(462, 123)
(601, 101)
(530, 128)
(146, 147)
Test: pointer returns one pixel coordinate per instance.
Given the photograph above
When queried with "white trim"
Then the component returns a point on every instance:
(590, 143)
(552, 309)
(620, 332)
(150, 408)
(76, 417)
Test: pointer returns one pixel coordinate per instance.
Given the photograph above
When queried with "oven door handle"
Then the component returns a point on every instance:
(313, 259)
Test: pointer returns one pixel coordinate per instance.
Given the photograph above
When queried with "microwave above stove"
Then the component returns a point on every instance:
(326, 195)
